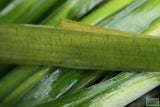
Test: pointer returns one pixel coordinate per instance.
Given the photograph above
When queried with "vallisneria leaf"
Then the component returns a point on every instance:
(72, 9)
(31, 11)
(139, 15)
(107, 50)
(7, 84)
(105, 10)
(77, 98)
(27, 84)
(56, 84)
(115, 92)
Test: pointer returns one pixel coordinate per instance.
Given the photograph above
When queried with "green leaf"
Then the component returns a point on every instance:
(72, 9)
(106, 50)
(31, 11)
(105, 11)
(125, 92)
(77, 98)
(25, 86)
(15, 78)
(62, 81)
(137, 17)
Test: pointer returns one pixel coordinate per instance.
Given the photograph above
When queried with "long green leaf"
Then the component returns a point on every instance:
(23, 88)
(141, 14)
(108, 50)
(126, 92)
(105, 11)
(72, 9)
(55, 85)
(31, 11)
(83, 95)
(15, 78)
